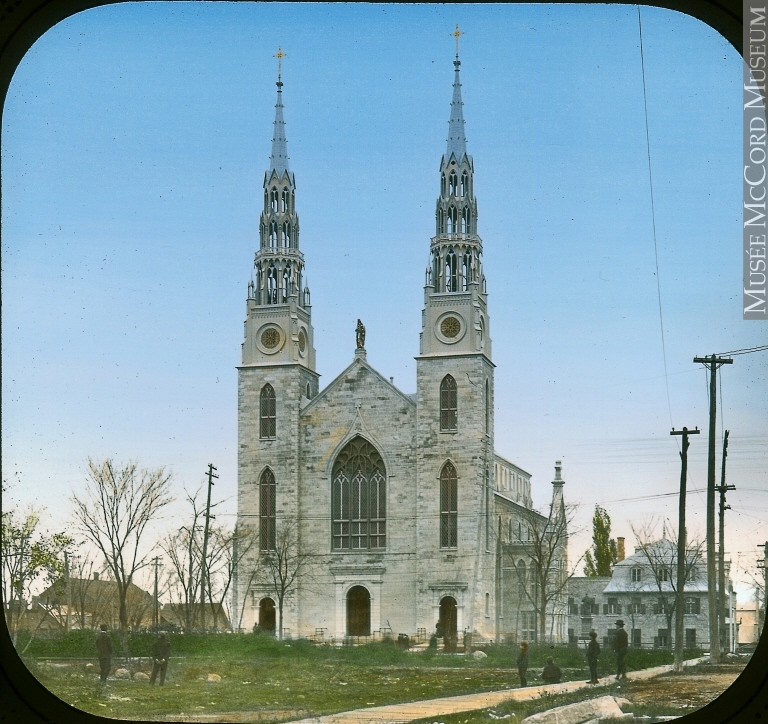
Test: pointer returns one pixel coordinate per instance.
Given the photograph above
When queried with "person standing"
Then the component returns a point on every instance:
(104, 647)
(620, 646)
(593, 652)
(161, 652)
(522, 663)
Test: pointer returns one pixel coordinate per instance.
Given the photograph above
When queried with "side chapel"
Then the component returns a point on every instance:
(400, 499)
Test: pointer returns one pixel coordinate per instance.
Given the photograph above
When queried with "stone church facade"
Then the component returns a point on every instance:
(394, 503)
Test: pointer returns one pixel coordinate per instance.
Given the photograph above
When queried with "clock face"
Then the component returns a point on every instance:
(450, 327)
(270, 338)
(302, 342)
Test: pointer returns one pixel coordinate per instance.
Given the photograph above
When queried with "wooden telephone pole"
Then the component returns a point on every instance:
(712, 363)
(204, 573)
(681, 545)
(721, 586)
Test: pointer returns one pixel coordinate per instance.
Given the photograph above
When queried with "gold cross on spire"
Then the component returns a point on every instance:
(457, 34)
(280, 55)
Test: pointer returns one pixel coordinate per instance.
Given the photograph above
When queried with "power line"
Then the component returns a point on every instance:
(746, 350)
(653, 217)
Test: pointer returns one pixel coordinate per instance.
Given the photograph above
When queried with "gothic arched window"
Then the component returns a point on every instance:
(272, 285)
(285, 289)
(453, 184)
(273, 234)
(464, 184)
(267, 413)
(465, 221)
(453, 220)
(358, 497)
(442, 185)
(466, 271)
(284, 201)
(487, 408)
(286, 234)
(449, 506)
(267, 509)
(273, 199)
(451, 273)
(448, 406)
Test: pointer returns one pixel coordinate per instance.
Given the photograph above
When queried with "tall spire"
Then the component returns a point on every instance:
(457, 142)
(279, 158)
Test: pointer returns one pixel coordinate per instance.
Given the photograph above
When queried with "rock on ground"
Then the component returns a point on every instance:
(214, 677)
(604, 707)
(479, 655)
(122, 674)
(141, 676)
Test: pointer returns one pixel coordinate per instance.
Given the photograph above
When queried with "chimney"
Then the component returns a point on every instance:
(620, 548)
(95, 575)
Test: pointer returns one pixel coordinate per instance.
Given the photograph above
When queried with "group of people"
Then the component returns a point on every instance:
(552, 672)
(161, 652)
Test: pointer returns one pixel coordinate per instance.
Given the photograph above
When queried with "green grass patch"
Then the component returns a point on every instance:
(288, 679)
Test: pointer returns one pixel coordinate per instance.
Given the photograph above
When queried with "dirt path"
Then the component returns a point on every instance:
(691, 691)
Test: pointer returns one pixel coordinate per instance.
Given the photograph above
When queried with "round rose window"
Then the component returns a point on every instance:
(270, 338)
(450, 327)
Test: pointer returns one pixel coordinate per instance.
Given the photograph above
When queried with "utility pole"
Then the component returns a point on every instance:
(681, 545)
(723, 489)
(204, 562)
(156, 618)
(712, 363)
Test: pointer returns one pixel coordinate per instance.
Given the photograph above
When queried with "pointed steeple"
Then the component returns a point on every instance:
(457, 142)
(279, 158)
(557, 508)
(279, 295)
(456, 250)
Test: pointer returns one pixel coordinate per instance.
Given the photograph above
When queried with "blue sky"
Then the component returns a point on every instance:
(134, 142)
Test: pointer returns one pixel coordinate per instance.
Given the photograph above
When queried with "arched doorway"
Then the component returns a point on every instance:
(267, 615)
(447, 622)
(358, 611)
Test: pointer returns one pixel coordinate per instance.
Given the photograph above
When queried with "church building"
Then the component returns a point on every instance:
(393, 509)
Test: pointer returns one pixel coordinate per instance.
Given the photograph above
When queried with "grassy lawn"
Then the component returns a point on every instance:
(285, 680)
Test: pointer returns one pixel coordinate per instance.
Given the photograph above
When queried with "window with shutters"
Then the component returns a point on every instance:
(448, 405)
(449, 510)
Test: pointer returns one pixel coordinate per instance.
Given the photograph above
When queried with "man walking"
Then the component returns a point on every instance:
(104, 647)
(620, 645)
(593, 652)
(522, 663)
(161, 652)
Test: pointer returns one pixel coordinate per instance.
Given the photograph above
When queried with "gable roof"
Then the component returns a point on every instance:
(357, 362)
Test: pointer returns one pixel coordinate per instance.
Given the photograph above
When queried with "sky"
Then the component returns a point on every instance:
(134, 142)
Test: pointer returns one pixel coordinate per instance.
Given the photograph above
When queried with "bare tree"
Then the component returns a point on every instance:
(228, 548)
(113, 512)
(184, 550)
(661, 557)
(282, 567)
(545, 556)
(28, 556)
